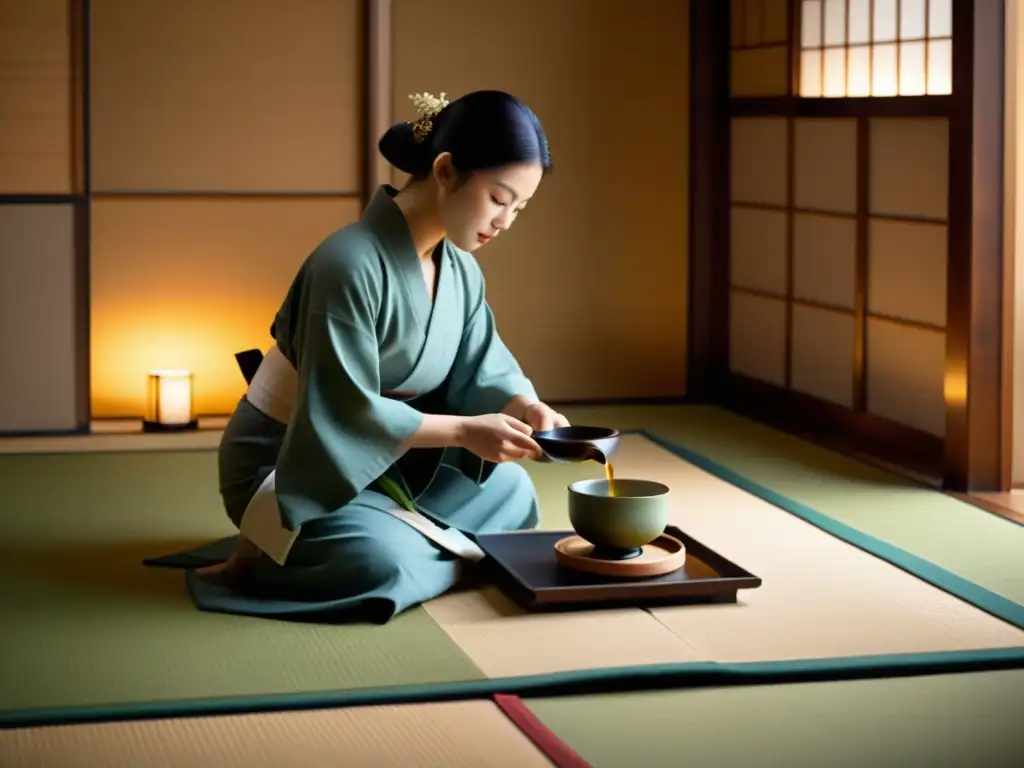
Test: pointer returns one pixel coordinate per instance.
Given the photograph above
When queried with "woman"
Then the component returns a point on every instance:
(385, 421)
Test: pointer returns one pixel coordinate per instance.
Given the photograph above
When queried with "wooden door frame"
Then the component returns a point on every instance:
(974, 455)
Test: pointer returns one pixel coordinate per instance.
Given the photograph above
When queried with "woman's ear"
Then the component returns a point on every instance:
(443, 171)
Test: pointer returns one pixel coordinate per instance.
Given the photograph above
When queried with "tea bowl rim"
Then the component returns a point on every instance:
(576, 486)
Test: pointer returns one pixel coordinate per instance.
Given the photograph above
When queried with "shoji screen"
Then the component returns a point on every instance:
(807, 248)
(907, 256)
(839, 204)
(226, 143)
(39, 364)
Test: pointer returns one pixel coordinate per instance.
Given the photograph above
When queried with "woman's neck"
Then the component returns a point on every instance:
(420, 211)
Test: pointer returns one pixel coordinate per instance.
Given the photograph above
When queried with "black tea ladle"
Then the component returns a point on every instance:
(573, 444)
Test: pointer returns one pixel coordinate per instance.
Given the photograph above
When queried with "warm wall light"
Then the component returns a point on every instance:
(954, 386)
(858, 48)
(169, 401)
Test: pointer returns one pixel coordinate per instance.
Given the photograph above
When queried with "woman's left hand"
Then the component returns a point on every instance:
(542, 417)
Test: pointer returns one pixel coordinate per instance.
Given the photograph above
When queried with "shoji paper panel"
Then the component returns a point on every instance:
(37, 318)
(759, 160)
(759, 22)
(910, 167)
(760, 72)
(907, 272)
(825, 164)
(824, 259)
(35, 97)
(757, 337)
(611, 214)
(774, 21)
(906, 369)
(227, 95)
(823, 347)
(187, 283)
(875, 47)
(738, 21)
(758, 247)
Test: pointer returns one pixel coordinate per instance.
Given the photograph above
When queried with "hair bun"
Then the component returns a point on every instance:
(481, 130)
(399, 147)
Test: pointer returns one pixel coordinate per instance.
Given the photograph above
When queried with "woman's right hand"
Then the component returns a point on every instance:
(497, 437)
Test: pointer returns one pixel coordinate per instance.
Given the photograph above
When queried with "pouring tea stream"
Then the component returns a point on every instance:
(581, 443)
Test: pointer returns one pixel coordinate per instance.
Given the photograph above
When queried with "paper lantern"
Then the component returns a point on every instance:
(169, 401)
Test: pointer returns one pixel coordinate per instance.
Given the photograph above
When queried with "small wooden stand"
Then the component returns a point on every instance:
(663, 555)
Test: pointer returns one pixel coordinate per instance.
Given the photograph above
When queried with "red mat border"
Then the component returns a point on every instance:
(556, 750)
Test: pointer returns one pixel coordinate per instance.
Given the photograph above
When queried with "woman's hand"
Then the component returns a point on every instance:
(542, 417)
(498, 437)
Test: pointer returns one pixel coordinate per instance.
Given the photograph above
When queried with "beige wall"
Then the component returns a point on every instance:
(37, 261)
(589, 287)
(1014, 224)
(261, 97)
(248, 96)
(187, 283)
(237, 95)
(37, 319)
(35, 97)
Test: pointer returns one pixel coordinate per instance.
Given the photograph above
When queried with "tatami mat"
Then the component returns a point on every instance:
(952, 721)
(820, 597)
(86, 624)
(467, 734)
(504, 640)
(972, 543)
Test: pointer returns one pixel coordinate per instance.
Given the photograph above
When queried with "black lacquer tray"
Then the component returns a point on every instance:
(523, 565)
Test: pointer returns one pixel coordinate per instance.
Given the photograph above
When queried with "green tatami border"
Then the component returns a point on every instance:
(978, 596)
(619, 679)
(594, 681)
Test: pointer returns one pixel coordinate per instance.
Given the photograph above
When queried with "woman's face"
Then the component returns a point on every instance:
(486, 204)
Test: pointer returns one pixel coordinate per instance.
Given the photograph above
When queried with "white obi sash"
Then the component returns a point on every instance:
(273, 391)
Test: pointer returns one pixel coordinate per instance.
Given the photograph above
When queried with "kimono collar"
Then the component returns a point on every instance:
(386, 221)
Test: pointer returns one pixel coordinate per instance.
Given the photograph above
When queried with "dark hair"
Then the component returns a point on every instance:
(482, 130)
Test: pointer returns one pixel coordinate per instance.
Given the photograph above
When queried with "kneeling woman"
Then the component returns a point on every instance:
(384, 423)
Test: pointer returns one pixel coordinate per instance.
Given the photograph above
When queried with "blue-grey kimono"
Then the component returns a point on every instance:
(373, 354)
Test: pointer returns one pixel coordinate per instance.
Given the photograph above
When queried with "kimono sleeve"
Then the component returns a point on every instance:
(343, 434)
(485, 375)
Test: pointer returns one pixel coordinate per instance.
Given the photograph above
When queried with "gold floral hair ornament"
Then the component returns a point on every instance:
(428, 106)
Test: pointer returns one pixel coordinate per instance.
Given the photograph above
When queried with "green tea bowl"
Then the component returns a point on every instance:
(618, 526)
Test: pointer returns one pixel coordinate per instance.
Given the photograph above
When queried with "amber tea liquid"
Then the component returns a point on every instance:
(609, 472)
